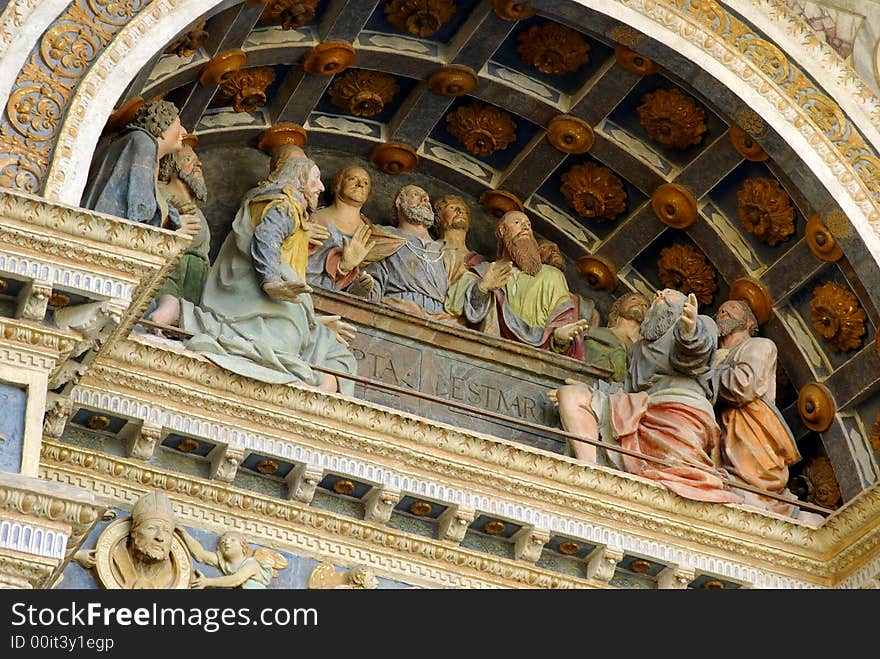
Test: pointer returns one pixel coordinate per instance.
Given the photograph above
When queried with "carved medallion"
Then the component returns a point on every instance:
(289, 14)
(821, 241)
(600, 274)
(674, 205)
(190, 42)
(837, 317)
(746, 145)
(672, 119)
(633, 61)
(245, 90)
(221, 67)
(510, 10)
(570, 134)
(822, 487)
(329, 58)
(816, 406)
(594, 191)
(361, 92)
(553, 48)
(453, 80)
(875, 434)
(421, 18)
(755, 294)
(482, 129)
(498, 202)
(683, 268)
(394, 158)
(764, 210)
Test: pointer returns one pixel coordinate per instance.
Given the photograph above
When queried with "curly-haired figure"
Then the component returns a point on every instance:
(124, 183)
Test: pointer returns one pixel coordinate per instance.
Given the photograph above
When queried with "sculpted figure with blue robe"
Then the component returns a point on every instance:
(256, 316)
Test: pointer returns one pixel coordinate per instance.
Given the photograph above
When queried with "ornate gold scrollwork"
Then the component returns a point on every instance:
(190, 42)
(672, 119)
(821, 241)
(510, 10)
(570, 134)
(837, 317)
(683, 268)
(452, 80)
(594, 191)
(764, 210)
(329, 58)
(245, 89)
(553, 48)
(674, 205)
(499, 202)
(482, 129)
(816, 406)
(635, 62)
(394, 158)
(755, 294)
(421, 18)
(599, 273)
(746, 145)
(361, 92)
(281, 134)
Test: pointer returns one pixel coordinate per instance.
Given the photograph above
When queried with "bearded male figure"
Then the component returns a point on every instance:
(256, 317)
(757, 446)
(664, 409)
(412, 277)
(519, 298)
(584, 307)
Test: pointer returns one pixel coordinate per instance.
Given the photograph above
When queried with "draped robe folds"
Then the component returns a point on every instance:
(187, 280)
(323, 265)
(242, 329)
(527, 308)
(125, 184)
(757, 445)
(665, 411)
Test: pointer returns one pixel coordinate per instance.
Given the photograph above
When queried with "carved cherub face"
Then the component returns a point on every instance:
(353, 186)
(151, 539)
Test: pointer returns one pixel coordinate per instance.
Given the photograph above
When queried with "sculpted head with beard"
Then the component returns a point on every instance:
(517, 243)
(665, 310)
(185, 165)
(152, 528)
(413, 207)
(736, 323)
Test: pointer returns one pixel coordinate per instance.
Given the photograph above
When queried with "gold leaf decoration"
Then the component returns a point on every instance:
(482, 129)
(594, 191)
(764, 210)
(190, 42)
(683, 268)
(837, 317)
(553, 48)
(362, 93)
(246, 89)
(290, 14)
(421, 18)
(672, 119)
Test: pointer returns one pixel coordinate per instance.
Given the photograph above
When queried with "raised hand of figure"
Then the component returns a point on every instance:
(362, 285)
(344, 331)
(88, 558)
(497, 275)
(198, 581)
(316, 232)
(190, 224)
(355, 249)
(565, 333)
(287, 291)
(689, 315)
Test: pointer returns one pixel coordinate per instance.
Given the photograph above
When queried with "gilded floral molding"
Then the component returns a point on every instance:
(683, 268)
(482, 129)
(190, 42)
(594, 191)
(245, 89)
(553, 48)
(837, 317)
(420, 18)
(672, 119)
(290, 14)
(765, 211)
(362, 92)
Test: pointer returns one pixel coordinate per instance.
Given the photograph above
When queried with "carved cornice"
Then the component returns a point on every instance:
(683, 268)
(421, 18)
(411, 443)
(245, 89)
(764, 210)
(672, 119)
(837, 317)
(361, 92)
(553, 48)
(482, 129)
(594, 191)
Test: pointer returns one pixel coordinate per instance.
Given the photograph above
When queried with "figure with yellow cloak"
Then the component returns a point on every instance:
(256, 316)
